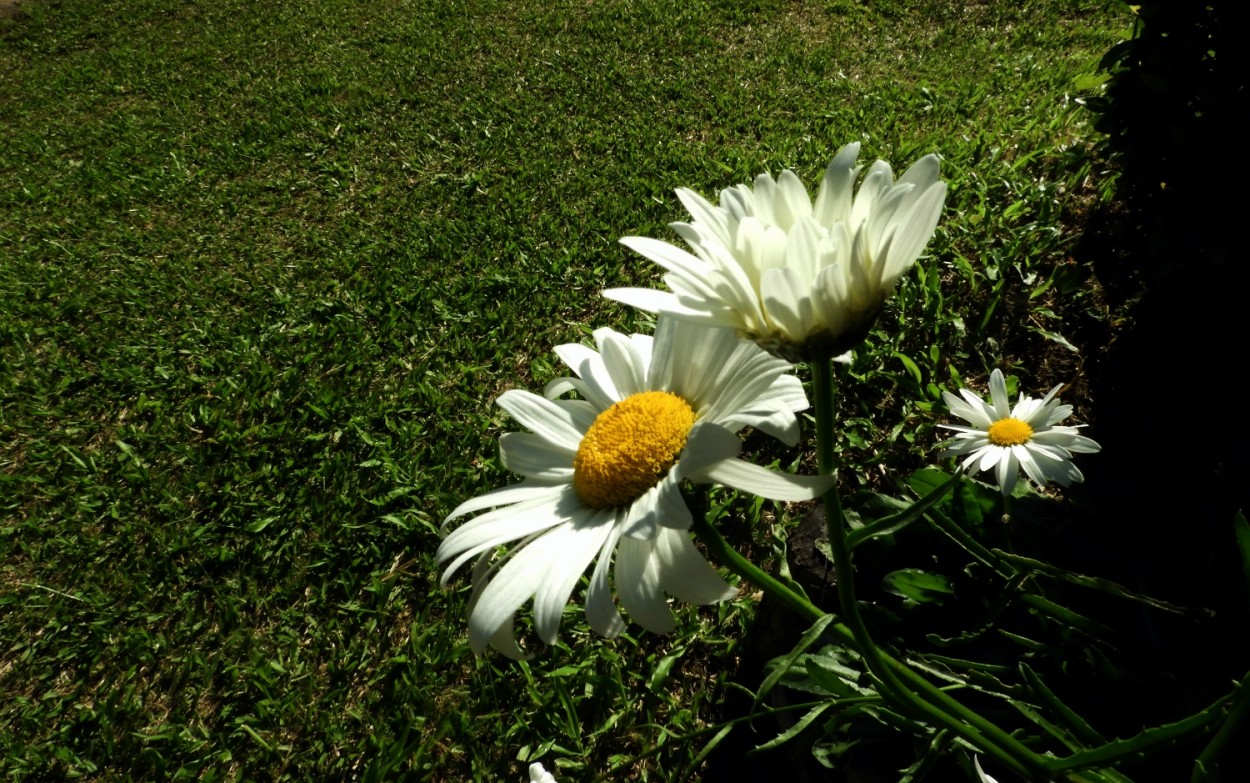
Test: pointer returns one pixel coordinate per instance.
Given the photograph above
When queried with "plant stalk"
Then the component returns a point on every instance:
(935, 705)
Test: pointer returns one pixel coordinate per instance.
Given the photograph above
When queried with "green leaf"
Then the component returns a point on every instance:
(259, 525)
(665, 668)
(833, 671)
(796, 729)
(782, 665)
(896, 522)
(1054, 337)
(1090, 81)
(922, 587)
(1144, 742)
(910, 366)
(1079, 727)
(1242, 528)
(1029, 565)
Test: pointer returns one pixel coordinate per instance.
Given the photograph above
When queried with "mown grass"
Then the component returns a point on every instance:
(264, 268)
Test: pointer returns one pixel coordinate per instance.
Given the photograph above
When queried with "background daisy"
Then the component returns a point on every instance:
(1005, 439)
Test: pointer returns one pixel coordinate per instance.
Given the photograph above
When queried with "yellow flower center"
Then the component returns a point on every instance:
(1009, 432)
(630, 447)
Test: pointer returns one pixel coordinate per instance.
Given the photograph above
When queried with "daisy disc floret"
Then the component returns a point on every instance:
(1006, 439)
(806, 280)
(602, 476)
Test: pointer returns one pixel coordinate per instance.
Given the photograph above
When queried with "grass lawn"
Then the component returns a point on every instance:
(264, 268)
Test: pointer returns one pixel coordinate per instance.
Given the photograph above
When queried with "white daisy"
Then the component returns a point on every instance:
(1026, 436)
(602, 477)
(804, 280)
(540, 775)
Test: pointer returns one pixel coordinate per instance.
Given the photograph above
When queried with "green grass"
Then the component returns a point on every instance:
(264, 268)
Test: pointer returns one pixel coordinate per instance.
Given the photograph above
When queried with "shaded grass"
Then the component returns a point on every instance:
(264, 270)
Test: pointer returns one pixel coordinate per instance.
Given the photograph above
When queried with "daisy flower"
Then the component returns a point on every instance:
(603, 474)
(1006, 439)
(805, 280)
(540, 775)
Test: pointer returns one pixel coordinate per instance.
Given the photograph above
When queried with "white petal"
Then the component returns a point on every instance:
(638, 585)
(504, 641)
(516, 582)
(1008, 472)
(998, 394)
(686, 574)
(915, 230)
(535, 457)
(601, 612)
(781, 424)
(502, 525)
(991, 456)
(989, 414)
(708, 443)
(620, 362)
(737, 284)
(648, 299)
(924, 172)
(742, 382)
(554, 555)
(980, 772)
(585, 537)
(595, 383)
(687, 266)
(1068, 438)
(973, 414)
(787, 303)
(557, 387)
(1032, 468)
(503, 496)
(687, 358)
(672, 508)
(702, 212)
(771, 484)
(643, 515)
(541, 416)
(805, 251)
(833, 203)
(793, 201)
(540, 775)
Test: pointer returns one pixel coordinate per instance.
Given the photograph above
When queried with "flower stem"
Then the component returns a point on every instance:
(935, 705)
(723, 553)
(732, 559)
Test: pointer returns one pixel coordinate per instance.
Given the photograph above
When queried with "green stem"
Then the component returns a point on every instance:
(1143, 743)
(936, 705)
(964, 725)
(1237, 714)
(729, 557)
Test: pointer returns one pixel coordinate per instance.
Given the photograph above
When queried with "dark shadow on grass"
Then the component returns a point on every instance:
(1169, 386)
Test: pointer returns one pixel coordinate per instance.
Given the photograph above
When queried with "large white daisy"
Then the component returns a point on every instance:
(1005, 439)
(804, 280)
(602, 477)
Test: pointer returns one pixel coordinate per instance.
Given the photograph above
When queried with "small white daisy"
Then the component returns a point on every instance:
(805, 280)
(1006, 439)
(603, 474)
